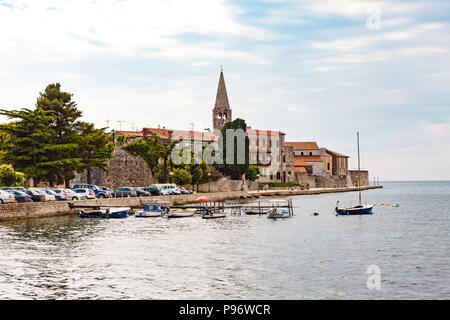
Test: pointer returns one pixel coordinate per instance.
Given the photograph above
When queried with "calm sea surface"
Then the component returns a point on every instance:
(240, 257)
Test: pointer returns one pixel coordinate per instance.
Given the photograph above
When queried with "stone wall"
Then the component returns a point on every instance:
(226, 185)
(123, 170)
(364, 177)
(320, 181)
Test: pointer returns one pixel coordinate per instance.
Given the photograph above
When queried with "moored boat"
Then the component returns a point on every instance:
(181, 213)
(117, 213)
(105, 213)
(278, 213)
(360, 209)
(150, 211)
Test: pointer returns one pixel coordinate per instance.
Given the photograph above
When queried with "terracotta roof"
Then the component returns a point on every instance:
(193, 135)
(265, 132)
(303, 145)
(337, 154)
(307, 159)
(130, 133)
(300, 169)
(300, 163)
(160, 133)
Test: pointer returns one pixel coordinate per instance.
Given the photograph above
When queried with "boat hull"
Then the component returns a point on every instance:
(148, 214)
(215, 216)
(354, 211)
(181, 214)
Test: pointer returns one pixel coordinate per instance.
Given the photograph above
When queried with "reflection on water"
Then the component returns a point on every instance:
(242, 257)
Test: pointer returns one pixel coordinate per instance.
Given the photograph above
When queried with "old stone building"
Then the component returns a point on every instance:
(327, 161)
(340, 163)
(307, 155)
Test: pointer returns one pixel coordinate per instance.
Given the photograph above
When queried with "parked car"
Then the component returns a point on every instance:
(86, 193)
(140, 192)
(6, 188)
(21, 196)
(69, 194)
(6, 196)
(58, 196)
(35, 196)
(99, 193)
(48, 196)
(73, 195)
(154, 191)
(169, 187)
(185, 191)
(124, 192)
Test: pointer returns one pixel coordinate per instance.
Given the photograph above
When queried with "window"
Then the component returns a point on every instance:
(278, 176)
(224, 116)
(328, 166)
(310, 153)
(284, 158)
(302, 153)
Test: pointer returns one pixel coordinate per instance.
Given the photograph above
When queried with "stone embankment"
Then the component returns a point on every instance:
(13, 211)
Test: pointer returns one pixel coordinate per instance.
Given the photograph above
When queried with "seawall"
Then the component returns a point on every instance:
(15, 211)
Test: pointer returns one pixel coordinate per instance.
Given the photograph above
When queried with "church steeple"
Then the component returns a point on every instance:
(222, 110)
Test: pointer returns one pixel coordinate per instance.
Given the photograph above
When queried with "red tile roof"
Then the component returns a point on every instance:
(300, 169)
(300, 163)
(303, 145)
(337, 154)
(130, 133)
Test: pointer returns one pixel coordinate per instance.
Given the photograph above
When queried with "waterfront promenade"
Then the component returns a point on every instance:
(30, 210)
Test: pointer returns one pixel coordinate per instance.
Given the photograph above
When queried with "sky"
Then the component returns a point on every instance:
(318, 70)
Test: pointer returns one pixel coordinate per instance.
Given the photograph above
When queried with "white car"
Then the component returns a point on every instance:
(87, 193)
(73, 195)
(6, 197)
(47, 197)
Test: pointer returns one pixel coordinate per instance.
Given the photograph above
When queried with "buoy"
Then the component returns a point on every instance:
(316, 213)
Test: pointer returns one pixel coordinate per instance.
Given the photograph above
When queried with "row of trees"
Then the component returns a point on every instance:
(50, 143)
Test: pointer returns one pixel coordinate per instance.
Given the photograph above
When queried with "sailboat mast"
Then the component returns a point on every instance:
(359, 169)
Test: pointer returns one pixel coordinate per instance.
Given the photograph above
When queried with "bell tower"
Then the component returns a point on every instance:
(222, 111)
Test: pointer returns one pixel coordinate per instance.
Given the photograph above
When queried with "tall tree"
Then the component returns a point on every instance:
(29, 148)
(235, 169)
(65, 124)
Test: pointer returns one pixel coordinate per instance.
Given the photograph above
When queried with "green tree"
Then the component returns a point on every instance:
(252, 173)
(65, 125)
(9, 177)
(29, 148)
(94, 148)
(234, 170)
(181, 176)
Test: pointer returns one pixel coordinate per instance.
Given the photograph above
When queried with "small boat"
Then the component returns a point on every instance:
(251, 211)
(360, 209)
(211, 214)
(117, 213)
(278, 213)
(150, 210)
(105, 213)
(181, 213)
(92, 214)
